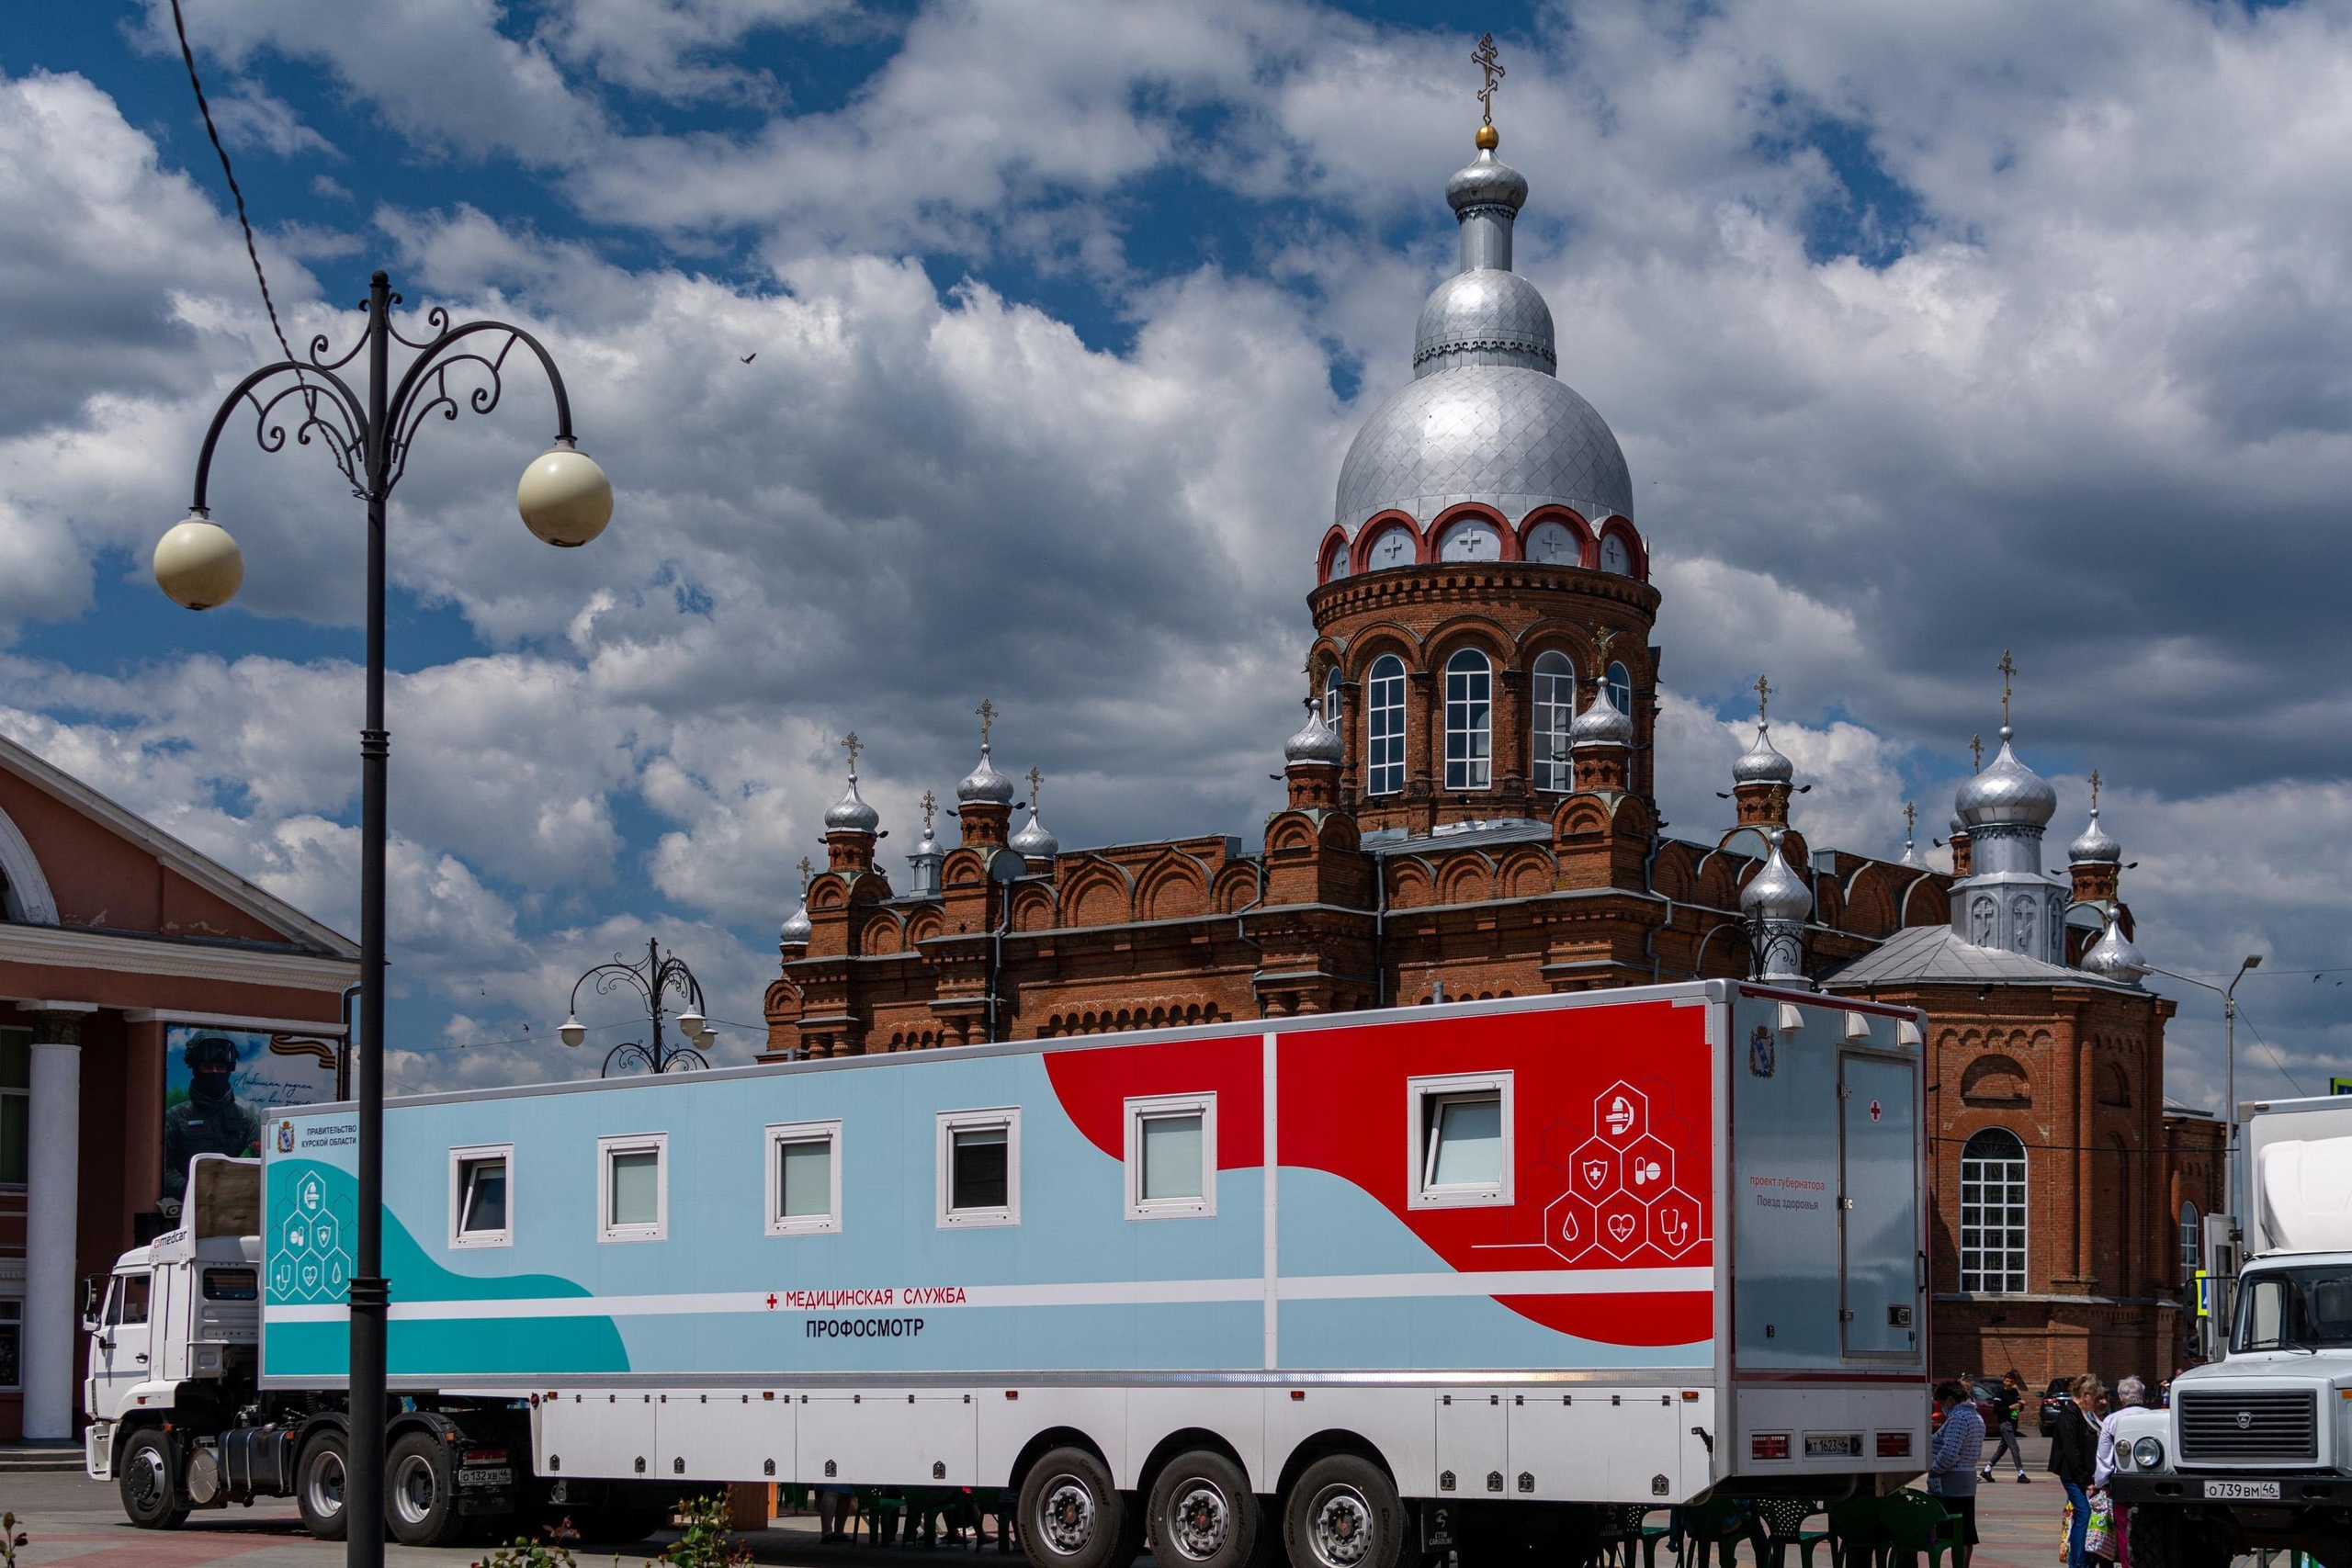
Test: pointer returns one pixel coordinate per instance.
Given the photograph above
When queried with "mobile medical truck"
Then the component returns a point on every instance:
(1360, 1286)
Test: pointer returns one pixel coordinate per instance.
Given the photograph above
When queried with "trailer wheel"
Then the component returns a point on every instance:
(420, 1494)
(319, 1485)
(1203, 1514)
(151, 1497)
(1343, 1513)
(1071, 1515)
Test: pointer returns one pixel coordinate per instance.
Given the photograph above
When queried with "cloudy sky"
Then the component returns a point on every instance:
(1928, 332)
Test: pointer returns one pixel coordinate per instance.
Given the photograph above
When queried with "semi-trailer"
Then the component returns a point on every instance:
(1365, 1285)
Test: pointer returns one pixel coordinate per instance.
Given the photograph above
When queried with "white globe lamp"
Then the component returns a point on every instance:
(564, 498)
(197, 564)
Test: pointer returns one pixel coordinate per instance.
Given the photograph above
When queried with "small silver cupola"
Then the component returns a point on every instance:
(1034, 842)
(794, 930)
(1315, 741)
(2113, 957)
(850, 814)
(1777, 903)
(928, 853)
(1602, 724)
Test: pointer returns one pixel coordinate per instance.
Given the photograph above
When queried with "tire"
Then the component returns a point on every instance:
(1203, 1514)
(1344, 1513)
(150, 1493)
(420, 1493)
(319, 1478)
(1073, 1516)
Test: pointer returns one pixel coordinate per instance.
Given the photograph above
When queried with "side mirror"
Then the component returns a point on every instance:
(91, 1287)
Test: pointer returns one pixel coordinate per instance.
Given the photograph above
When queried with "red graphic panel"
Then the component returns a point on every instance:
(1613, 1165)
(1094, 1084)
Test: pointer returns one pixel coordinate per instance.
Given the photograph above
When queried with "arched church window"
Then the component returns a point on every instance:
(2192, 1243)
(1383, 720)
(1392, 547)
(1469, 721)
(1335, 562)
(1556, 709)
(1614, 555)
(1554, 543)
(1620, 689)
(1470, 538)
(1332, 699)
(1992, 1212)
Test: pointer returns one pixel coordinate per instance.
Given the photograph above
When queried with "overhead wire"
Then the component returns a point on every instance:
(253, 253)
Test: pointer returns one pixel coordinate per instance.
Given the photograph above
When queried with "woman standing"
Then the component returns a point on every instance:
(2074, 1458)
(2129, 1393)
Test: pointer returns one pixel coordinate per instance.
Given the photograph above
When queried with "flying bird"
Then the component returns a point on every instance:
(749, 357)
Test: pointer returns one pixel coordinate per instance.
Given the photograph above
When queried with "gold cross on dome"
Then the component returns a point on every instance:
(930, 804)
(987, 710)
(1487, 58)
(1602, 638)
(1035, 778)
(1763, 697)
(1976, 750)
(2095, 782)
(2008, 667)
(1910, 819)
(852, 745)
(807, 871)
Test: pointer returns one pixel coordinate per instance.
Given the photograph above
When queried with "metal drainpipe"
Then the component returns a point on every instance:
(1380, 933)
(1649, 886)
(996, 955)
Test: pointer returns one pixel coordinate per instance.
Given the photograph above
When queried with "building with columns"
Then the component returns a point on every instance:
(114, 936)
(1471, 813)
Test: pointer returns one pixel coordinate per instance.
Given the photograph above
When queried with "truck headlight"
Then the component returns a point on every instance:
(2148, 1453)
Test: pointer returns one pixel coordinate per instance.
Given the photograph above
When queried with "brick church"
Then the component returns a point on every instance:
(1471, 814)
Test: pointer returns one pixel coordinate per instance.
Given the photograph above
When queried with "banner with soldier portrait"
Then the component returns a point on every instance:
(220, 1086)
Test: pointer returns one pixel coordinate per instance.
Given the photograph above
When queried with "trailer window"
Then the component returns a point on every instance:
(633, 1188)
(481, 1196)
(1171, 1156)
(231, 1285)
(804, 1179)
(979, 1168)
(1458, 1140)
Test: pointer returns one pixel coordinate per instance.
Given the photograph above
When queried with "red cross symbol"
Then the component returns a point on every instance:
(1874, 1111)
(771, 1300)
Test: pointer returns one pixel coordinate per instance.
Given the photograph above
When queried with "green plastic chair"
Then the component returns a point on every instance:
(1781, 1525)
(1724, 1523)
(1916, 1523)
(1858, 1534)
(1627, 1533)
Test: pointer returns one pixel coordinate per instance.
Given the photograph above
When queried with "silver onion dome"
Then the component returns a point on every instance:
(1032, 842)
(1762, 762)
(2006, 792)
(1601, 724)
(794, 930)
(1777, 892)
(1486, 181)
(1316, 740)
(984, 784)
(1485, 317)
(851, 815)
(2096, 844)
(2113, 957)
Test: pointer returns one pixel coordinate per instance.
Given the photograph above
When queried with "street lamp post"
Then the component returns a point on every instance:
(565, 499)
(650, 979)
(2228, 995)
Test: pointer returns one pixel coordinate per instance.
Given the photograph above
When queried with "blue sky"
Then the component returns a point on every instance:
(1926, 336)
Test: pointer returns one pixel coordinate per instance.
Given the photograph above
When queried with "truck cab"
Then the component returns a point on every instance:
(2256, 1451)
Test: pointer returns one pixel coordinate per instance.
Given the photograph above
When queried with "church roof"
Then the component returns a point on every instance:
(1936, 955)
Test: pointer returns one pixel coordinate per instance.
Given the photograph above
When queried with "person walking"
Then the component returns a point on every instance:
(2012, 1404)
(1952, 1461)
(2073, 1457)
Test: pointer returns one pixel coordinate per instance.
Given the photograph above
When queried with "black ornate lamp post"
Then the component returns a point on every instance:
(565, 499)
(650, 979)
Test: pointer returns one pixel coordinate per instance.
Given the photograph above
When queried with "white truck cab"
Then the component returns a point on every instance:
(2256, 1451)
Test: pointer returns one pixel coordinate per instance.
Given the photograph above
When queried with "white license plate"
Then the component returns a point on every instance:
(2241, 1492)
(1833, 1445)
(506, 1478)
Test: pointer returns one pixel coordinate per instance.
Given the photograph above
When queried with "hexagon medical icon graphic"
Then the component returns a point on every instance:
(1648, 1167)
(1570, 1224)
(1624, 1225)
(1674, 1222)
(1620, 1113)
(1593, 1172)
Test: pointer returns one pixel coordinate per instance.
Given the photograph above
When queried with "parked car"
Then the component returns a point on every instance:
(1986, 1394)
(2053, 1399)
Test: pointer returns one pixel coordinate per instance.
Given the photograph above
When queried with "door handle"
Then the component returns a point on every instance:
(141, 1359)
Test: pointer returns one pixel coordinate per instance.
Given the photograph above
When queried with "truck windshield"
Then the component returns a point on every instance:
(2296, 1309)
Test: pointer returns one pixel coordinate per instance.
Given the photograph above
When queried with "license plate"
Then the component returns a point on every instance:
(1833, 1445)
(505, 1477)
(2241, 1492)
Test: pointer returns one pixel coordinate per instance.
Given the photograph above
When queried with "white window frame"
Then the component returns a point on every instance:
(1984, 1191)
(1383, 741)
(1552, 699)
(953, 1122)
(2191, 1220)
(632, 1144)
(1420, 1193)
(1147, 1108)
(458, 1159)
(780, 1134)
(1473, 768)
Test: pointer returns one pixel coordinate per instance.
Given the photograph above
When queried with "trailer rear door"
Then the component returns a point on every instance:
(1879, 1206)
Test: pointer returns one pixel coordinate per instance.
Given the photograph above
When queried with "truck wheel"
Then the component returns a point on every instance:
(1343, 1513)
(420, 1494)
(318, 1486)
(1071, 1515)
(151, 1497)
(1203, 1514)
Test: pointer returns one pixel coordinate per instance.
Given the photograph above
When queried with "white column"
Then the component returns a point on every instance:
(53, 1195)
